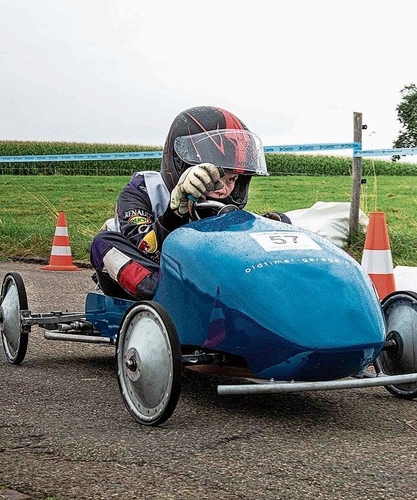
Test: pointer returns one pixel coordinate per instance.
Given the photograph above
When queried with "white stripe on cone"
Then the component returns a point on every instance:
(61, 231)
(377, 261)
(60, 250)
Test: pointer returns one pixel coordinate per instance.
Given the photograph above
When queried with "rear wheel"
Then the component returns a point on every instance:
(400, 354)
(13, 301)
(149, 364)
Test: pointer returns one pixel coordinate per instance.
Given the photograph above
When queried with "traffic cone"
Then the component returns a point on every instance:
(61, 258)
(376, 257)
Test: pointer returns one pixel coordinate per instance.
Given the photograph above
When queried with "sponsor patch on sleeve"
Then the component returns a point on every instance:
(138, 216)
(149, 243)
(139, 220)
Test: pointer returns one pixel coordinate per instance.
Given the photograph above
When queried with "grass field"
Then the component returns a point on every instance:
(29, 206)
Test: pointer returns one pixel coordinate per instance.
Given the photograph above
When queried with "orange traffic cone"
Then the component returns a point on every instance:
(376, 258)
(61, 258)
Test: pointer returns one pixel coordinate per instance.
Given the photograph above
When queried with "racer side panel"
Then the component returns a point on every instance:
(105, 313)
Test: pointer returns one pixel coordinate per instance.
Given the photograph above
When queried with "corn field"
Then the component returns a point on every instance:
(278, 164)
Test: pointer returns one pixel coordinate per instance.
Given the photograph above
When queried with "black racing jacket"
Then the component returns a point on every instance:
(143, 214)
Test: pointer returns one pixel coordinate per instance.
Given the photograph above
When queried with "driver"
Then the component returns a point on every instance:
(208, 154)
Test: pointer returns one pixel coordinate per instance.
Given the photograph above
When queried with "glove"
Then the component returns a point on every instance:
(279, 216)
(195, 181)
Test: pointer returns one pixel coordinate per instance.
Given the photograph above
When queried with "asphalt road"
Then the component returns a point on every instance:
(65, 433)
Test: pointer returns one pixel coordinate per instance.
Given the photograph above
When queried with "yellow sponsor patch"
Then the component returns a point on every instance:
(149, 243)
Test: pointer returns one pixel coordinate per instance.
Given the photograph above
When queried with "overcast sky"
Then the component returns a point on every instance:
(119, 71)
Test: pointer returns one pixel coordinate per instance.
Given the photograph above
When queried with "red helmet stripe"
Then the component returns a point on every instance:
(240, 140)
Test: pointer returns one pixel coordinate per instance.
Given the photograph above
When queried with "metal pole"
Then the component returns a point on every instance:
(286, 387)
(356, 178)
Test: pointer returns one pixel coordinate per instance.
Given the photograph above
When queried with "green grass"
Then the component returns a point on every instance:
(29, 207)
(28, 213)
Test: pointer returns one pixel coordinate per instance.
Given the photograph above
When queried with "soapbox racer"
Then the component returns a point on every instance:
(281, 307)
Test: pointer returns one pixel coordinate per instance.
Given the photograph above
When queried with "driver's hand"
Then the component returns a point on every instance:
(195, 181)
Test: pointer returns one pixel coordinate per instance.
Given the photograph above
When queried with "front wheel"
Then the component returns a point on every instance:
(400, 354)
(149, 365)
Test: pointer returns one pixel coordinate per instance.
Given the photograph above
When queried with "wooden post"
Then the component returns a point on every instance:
(356, 178)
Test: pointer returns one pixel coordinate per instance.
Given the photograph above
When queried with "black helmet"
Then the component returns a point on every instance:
(206, 134)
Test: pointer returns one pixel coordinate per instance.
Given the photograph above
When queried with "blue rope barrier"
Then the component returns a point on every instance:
(290, 148)
(82, 157)
(384, 152)
(158, 154)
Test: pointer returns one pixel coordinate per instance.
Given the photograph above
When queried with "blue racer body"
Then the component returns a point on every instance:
(290, 302)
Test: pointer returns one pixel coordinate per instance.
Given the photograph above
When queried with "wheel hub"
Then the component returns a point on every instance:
(132, 364)
(394, 345)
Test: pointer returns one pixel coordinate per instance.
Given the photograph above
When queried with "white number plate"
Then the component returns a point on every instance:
(279, 240)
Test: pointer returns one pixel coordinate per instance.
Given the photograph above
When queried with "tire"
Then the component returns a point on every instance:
(400, 313)
(13, 300)
(149, 364)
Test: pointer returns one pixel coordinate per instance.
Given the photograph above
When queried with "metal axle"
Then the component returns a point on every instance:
(88, 339)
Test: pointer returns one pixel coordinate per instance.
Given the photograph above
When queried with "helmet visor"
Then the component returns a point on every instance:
(235, 150)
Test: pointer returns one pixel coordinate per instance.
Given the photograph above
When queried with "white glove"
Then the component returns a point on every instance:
(195, 181)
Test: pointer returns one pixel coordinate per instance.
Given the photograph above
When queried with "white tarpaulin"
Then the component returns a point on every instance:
(405, 278)
(329, 219)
